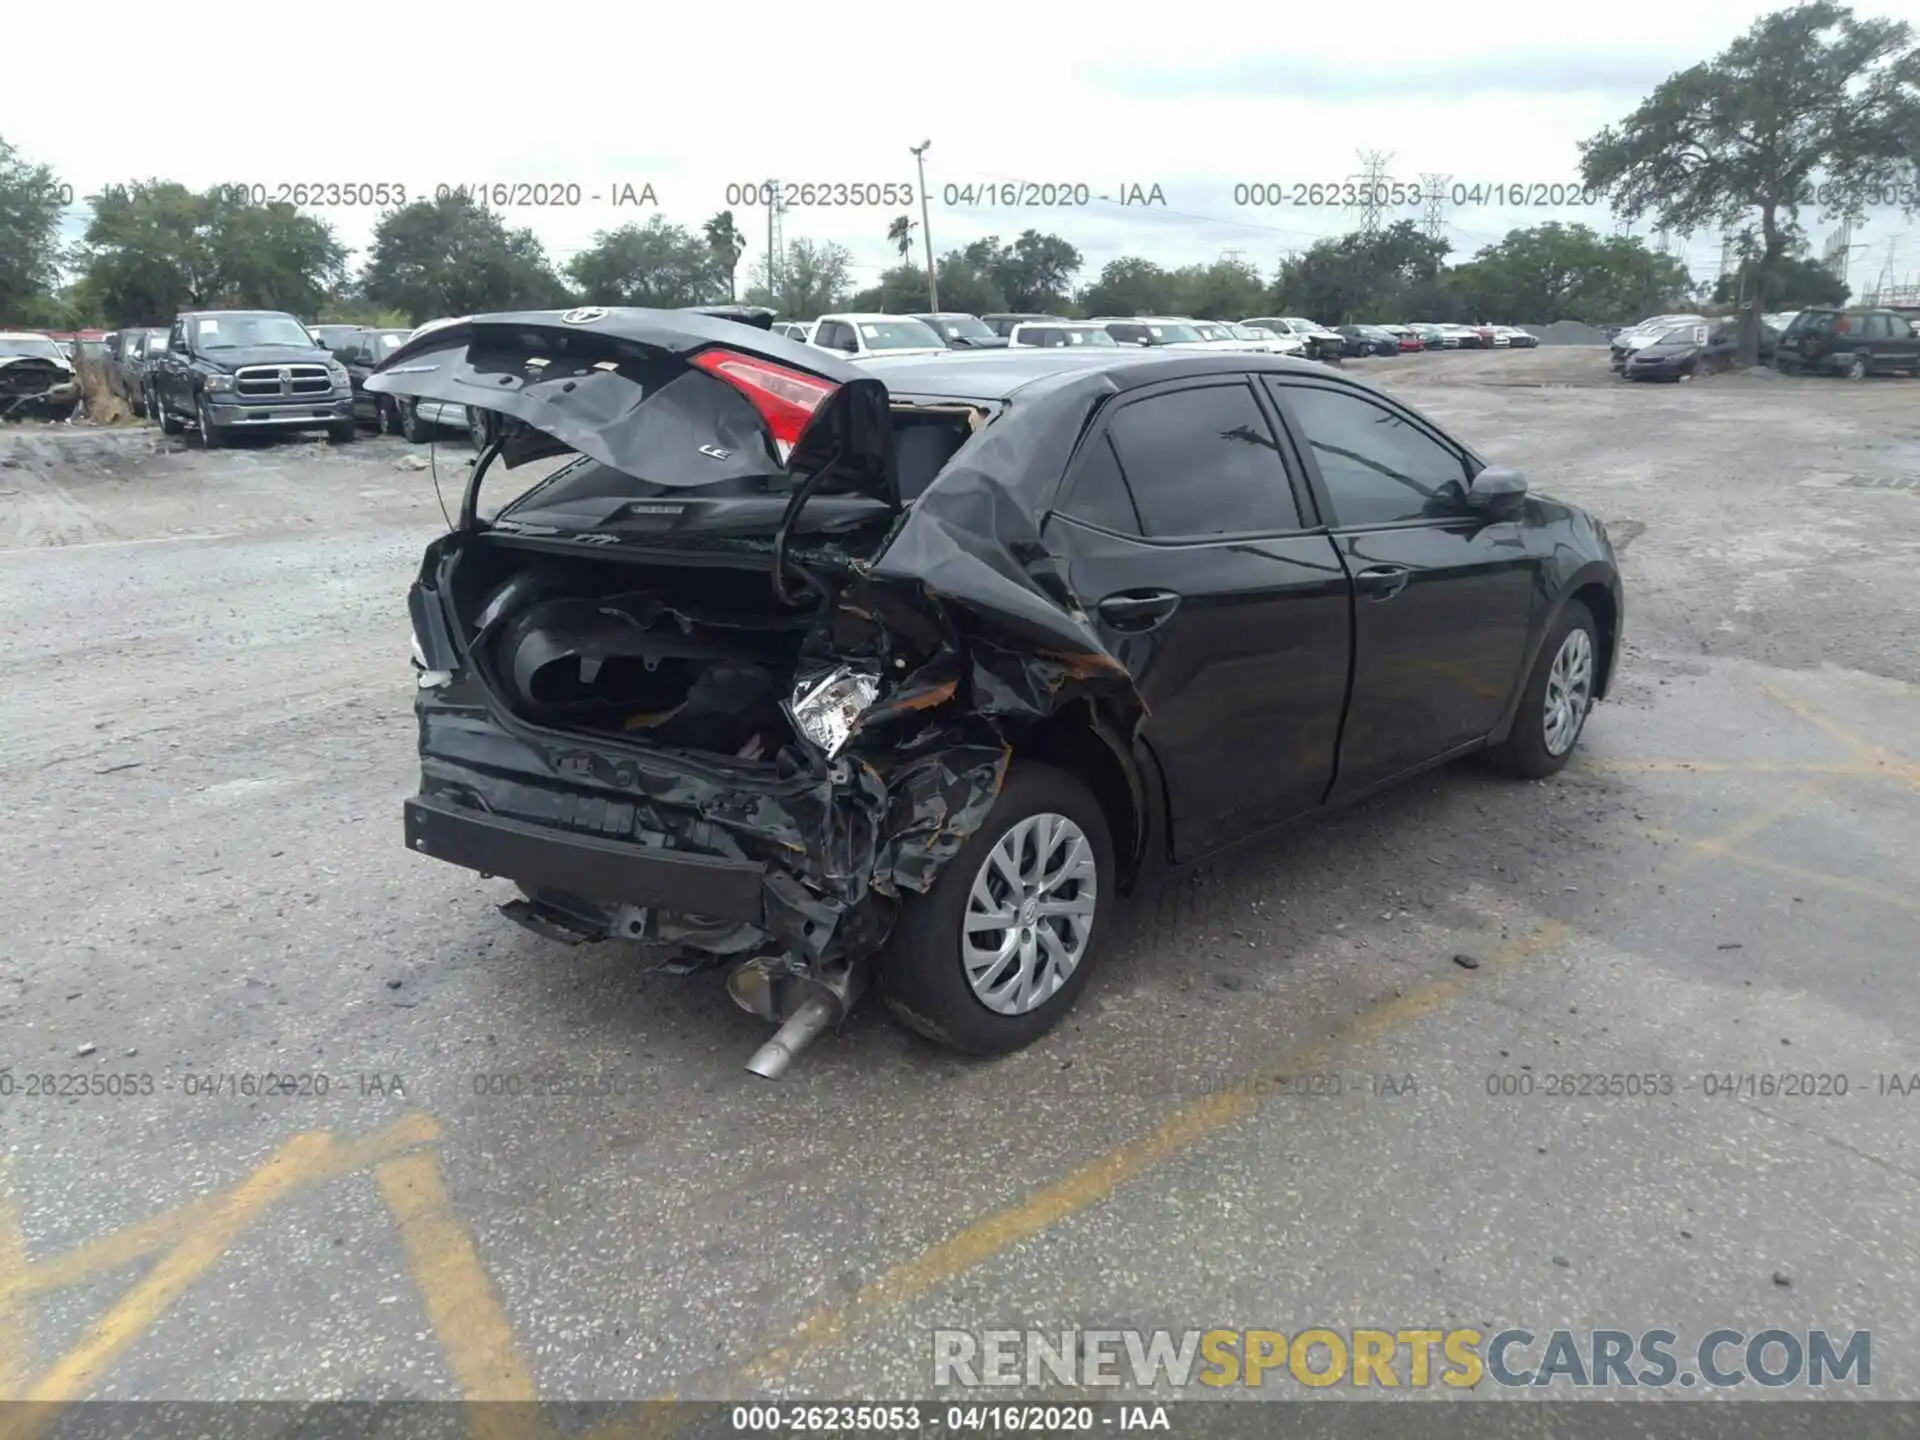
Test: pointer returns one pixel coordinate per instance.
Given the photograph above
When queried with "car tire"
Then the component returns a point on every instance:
(211, 435)
(1857, 366)
(1546, 730)
(344, 432)
(924, 972)
(411, 426)
(386, 416)
(157, 408)
(477, 427)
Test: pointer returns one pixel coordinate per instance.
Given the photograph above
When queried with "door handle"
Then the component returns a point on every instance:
(1382, 582)
(1138, 609)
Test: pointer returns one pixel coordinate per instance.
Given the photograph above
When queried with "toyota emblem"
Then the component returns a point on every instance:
(584, 315)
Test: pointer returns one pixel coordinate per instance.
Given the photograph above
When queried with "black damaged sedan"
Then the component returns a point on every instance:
(908, 671)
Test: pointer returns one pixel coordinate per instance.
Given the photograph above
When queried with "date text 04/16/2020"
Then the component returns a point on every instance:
(1351, 194)
(390, 194)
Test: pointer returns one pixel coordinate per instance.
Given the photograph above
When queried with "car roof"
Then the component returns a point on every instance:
(998, 375)
(864, 315)
(26, 335)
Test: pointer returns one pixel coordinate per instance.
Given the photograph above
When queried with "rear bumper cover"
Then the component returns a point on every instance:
(610, 871)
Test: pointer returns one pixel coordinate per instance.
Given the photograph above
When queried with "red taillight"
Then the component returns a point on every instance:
(786, 399)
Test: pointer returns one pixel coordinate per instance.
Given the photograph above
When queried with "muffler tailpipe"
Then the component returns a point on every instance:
(805, 1026)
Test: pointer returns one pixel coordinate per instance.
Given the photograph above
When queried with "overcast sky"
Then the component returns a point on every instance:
(1194, 98)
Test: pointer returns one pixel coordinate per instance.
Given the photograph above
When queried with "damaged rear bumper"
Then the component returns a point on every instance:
(608, 871)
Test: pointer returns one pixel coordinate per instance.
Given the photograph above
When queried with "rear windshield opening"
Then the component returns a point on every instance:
(926, 438)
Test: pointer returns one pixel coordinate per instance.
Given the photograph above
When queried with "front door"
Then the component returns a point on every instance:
(1442, 595)
(1186, 541)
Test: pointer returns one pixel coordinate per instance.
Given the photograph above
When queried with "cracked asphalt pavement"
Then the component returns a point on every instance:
(1283, 1102)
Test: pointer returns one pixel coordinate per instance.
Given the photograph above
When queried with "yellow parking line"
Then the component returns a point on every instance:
(1819, 879)
(155, 1234)
(1726, 767)
(1748, 826)
(16, 1314)
(1098, 1179)
(77, 1372)
(1877, 757)
(474, 1332)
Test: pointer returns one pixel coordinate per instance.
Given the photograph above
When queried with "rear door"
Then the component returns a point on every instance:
(1443, 596)
(1210, 579)
(1892, 341)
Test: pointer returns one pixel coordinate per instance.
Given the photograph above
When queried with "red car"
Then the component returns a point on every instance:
(1410, 342)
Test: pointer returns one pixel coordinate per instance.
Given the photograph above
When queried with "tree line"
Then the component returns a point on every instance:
(1811, 110)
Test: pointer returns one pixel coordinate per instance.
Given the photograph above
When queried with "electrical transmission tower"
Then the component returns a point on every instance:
(776, 242)
(1233, 257)
(1373, 182)
(1837, 255)
(1883, 287)
(1437, 190)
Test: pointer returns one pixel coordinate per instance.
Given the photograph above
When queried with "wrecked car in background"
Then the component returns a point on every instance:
(909, 668)
(36, 381)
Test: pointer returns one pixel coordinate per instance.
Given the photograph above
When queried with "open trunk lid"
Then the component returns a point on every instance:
(696, 400)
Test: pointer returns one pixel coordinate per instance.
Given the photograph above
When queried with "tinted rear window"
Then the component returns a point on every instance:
(1203, 461)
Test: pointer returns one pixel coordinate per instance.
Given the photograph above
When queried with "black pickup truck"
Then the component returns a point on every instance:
(228, 370)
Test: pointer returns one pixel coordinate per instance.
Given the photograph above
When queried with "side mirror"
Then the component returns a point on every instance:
(1498, 490)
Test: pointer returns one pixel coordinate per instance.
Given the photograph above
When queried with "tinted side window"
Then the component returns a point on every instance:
(1126, 333)
(1879, 327)
(1203, 462)
(1097, 492)
(1377, 467)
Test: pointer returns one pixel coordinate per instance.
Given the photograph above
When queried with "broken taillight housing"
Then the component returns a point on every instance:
(786, 399)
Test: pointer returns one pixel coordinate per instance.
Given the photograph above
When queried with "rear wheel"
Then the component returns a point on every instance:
(1557, 699)
(386, 417)
(998, 950)
(411, 425)
(477, 427)
(1857, 367)
(158, 410)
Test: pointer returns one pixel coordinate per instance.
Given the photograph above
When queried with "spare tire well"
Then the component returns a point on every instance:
(1070, 740)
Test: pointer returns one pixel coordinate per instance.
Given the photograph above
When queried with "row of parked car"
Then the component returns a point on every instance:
(224, 371)
(865, 335)
(1855, 341)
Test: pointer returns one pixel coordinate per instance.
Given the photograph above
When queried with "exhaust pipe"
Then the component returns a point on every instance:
(771, 1060)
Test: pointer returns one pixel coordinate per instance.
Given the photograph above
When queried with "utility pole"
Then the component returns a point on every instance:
(1372, 179)
(775, 242)
(926, 224)
(1438, 192)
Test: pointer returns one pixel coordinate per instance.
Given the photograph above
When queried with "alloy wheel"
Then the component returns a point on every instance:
(1030, 914)
(1569, 692)
(1857, 368)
